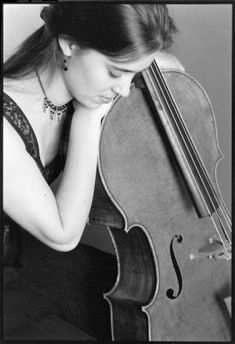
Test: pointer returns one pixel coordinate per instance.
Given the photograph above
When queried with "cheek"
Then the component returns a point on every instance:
(76, 81)
(96, 79)
(87, 81)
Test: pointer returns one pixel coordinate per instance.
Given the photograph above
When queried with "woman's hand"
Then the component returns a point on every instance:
(168, 61)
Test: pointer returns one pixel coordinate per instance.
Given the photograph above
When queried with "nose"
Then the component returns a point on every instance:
(123, 87)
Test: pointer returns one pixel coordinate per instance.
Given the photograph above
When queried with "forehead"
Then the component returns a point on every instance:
(133, 66)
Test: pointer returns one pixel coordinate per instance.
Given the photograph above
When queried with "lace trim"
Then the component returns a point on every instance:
(10, 111)
(19, 121)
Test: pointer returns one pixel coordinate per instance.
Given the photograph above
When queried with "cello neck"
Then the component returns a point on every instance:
(192, 168)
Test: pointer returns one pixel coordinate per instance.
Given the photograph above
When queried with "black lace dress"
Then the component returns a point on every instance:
(49, 295)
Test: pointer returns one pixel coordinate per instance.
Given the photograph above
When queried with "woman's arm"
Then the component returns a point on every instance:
(57, 220)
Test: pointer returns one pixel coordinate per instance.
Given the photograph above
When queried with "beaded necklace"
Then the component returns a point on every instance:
(48, 107)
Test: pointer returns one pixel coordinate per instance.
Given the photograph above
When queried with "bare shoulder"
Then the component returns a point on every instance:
(10, 136)
(16, 160)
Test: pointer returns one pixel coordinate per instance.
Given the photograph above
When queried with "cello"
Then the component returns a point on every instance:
(171, 230)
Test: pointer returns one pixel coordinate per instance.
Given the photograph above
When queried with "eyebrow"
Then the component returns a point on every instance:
(120, 69)
(125, 70)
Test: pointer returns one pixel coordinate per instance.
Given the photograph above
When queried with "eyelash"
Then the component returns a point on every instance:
(114, 76)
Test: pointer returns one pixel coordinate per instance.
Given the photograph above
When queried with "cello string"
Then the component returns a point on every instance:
(199, 190)
(208, 195)
(185, 132)
(174, 119)
(224, 230)
(217, 230)
(229, 241)
(201, 164)
(193, 147)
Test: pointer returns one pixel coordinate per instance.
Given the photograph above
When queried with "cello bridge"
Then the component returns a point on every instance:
(214, 249)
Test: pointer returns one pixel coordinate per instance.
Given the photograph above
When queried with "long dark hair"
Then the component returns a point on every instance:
(118, 31)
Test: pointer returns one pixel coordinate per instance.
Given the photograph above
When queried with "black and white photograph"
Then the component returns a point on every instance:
(116, 171)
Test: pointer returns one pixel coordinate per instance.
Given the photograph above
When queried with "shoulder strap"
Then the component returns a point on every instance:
(15, 116)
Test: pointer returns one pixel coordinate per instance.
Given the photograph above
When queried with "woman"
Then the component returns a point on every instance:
(65, 75)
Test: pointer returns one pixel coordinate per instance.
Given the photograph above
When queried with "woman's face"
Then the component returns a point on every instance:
(92, 78)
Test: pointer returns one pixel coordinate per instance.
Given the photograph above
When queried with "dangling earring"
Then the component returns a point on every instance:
(65, 66)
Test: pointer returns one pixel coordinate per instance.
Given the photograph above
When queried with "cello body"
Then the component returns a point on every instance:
(166, 288)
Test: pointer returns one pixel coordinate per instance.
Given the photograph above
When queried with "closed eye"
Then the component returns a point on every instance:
(115, 74)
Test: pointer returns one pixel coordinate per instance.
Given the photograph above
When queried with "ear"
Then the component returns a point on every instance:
(66, 44)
